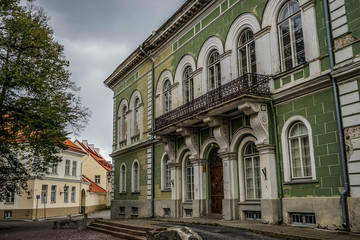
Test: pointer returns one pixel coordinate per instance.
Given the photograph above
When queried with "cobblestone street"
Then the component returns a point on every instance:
(44, 230)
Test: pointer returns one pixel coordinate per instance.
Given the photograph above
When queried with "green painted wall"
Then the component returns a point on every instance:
(319, 110)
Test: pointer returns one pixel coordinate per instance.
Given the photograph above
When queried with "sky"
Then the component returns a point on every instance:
(98, 35)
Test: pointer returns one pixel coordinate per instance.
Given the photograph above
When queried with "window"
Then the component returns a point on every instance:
(123, 178)
(53, 194)
(124, 123)
(291, 36)
(246, 52)
(44, 190)
(74, 167)
(137, 116)
(214, 70)
(188, 85)
(7, 214)
(67, 167)
(73, 192)
(97, 179)
(54, 169)
(135, 176)
(189, 177)
(166, 173)
(66, 194)
(252, 172)
(299, 151)
(167, 96)
(10, 198)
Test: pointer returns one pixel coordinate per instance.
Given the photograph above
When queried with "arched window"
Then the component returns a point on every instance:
(292, 49)
(300, 161)
(124, 123)
(188, 85)
(189, 179)
(246, 52)
(252, 172)
(122, 179)
(214, 70)
(166, 173)
(137, 116)
(167, 96)
(135, 176)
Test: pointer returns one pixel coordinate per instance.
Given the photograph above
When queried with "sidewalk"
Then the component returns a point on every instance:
(279, 231)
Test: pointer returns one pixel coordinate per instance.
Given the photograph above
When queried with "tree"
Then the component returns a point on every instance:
(38, 102)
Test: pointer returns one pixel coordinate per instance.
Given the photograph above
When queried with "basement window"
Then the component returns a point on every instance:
(188, 212)
(134, 211)
(166, 212)
(252, 215)
(303, 219)
(8, 214)
(122, 211)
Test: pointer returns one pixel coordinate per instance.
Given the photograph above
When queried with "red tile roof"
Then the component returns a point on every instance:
(72, 147)
(94, 187)
(97, 157)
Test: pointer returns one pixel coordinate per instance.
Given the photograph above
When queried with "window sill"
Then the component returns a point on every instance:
(290, 71)
(300, 181)
(166, 190)
(122, 193)
(250, 202)
(135, 192)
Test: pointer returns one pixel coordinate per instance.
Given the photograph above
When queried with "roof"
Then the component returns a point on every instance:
(93, 187)
(96, 156)
(72, 147)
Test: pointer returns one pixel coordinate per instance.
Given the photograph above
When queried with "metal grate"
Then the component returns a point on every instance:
(166, 212)
(134, 211)
(252, 215)
(303, 219)
(188, 212)
(8, 214)
(122, 211)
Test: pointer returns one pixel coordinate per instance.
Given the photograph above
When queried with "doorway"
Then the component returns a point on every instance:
(216, 181)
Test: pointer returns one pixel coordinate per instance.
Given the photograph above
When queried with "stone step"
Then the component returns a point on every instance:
(126, 226)
(122, 229)
(121, 235)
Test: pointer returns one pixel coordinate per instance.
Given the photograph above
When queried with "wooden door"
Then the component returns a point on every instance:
(216, 182)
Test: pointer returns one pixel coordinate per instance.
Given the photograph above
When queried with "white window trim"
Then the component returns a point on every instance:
(185, 62)
(286, 152)
(163, 173)
(133, 187)
(159, 97)
(183, 167)
(121, 182)
(123, 103)
(131, 120)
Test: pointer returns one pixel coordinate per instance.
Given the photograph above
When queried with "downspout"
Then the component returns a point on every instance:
(277, 152)
(344, 193)
(152, 135)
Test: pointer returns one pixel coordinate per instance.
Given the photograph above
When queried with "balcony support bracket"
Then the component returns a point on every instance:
(221, 131)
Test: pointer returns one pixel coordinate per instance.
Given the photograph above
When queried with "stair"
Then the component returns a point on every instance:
(121, 230)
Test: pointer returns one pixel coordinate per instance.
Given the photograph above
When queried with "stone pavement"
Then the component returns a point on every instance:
(279, 231)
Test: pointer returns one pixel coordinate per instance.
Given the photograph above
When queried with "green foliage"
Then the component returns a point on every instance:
(38, 101)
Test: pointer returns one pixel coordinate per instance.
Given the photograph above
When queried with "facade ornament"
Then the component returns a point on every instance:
(221, 131)
(258, 121)
(191, 140)
(169, 146)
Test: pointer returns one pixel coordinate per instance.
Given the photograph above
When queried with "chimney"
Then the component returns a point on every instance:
(85, 142)
(97, 150)
(92, 147)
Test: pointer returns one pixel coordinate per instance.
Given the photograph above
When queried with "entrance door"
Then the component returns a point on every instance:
(216, 182)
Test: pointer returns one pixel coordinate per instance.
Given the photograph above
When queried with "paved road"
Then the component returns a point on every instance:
(43, 230)
(221, 233)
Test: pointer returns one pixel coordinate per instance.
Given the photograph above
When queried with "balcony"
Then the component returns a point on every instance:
(249, 84)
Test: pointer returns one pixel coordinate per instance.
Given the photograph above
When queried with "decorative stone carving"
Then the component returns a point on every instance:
(221, 131)
(169, 147)
(258, 120)
(191, 140)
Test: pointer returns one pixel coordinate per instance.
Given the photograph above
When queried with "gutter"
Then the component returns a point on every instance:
(345, 192)
(152, 135)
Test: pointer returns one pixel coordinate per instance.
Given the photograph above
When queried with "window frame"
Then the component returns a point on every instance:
(286, 152)
(137, 105)
(249, 42)
(67, 167)
(66, 194)
(165, 173)
(74, 169)
(122, 179)
(188, 84)
(124, 120)
(10, 198)
(44, 190)
(293, 40)
(252, 156)
(53, 194)
(97, 179)
(189, 175)
(135, 177)
(213, 64)
(167, 100)
(73, 194)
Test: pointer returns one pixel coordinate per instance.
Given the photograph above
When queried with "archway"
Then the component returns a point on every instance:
(216, 181)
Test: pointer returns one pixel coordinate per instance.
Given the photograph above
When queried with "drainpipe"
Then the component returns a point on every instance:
(344, 193)
(152, 135)
(277, 151)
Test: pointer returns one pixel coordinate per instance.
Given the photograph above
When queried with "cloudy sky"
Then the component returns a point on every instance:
(98, 35)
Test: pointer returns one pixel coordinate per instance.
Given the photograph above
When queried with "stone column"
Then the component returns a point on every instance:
(199, 202)
(229, 203)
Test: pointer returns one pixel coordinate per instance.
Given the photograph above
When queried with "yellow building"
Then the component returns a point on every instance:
(58, 193)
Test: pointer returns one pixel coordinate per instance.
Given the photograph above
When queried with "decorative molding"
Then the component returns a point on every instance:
(262, 32)
(221, 131)
(191, 139)
(258, 121)
(308, 5)
(169, 146)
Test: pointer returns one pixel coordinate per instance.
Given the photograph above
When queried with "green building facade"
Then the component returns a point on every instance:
(229, 110)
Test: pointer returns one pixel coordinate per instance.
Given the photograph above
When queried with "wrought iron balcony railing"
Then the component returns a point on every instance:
(250, 84)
